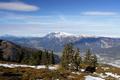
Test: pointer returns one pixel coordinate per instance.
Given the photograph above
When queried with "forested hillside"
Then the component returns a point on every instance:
(15, 53)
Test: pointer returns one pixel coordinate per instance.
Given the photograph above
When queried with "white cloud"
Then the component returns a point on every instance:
(99, 13)
(17, 6)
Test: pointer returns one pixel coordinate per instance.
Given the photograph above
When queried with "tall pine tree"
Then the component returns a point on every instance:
(90, 59)
(71, 58)
(51, 59)
(94, 61)
(87, 58)
(77, 59)
(67, 56)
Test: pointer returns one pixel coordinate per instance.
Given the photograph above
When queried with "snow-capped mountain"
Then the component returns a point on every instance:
(65, 35)
(59, 35)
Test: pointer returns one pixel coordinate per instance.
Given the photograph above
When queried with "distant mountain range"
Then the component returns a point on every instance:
(106, 47)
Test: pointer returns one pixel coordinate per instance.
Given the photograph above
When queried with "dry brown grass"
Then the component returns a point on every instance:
(45, 74)
(101, 69)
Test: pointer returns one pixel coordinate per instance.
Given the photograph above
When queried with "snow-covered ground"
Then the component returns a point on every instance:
(107, 74)
(35, 67)
(113, 75)
(102, 77)
(92, 78)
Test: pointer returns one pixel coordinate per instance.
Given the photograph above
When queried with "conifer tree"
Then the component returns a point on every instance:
(71, 58)
(51, 59)
(35, 58)
(94, 61)
(47, 57)
(44, 58)
(87, 58)
(1, 54)
(90, 59)
(67, 56)
(77, 59)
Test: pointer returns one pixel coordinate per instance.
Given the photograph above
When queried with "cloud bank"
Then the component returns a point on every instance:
(17, 6)
(99, 13)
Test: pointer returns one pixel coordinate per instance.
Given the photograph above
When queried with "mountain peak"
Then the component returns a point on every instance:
(59, 34)
(63, 35)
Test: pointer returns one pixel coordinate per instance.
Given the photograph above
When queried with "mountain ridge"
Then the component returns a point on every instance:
(56, 34)
(103, 46)
(61, 38)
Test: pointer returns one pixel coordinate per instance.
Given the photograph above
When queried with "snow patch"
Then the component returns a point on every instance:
(82, 70)
(35, 67)
(107, 74)
(113, 75)
(92, 78)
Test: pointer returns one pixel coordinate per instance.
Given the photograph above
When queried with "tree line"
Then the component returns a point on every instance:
(40, 58)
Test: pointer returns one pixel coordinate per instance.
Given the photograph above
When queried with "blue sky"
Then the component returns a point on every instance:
(39, 17)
